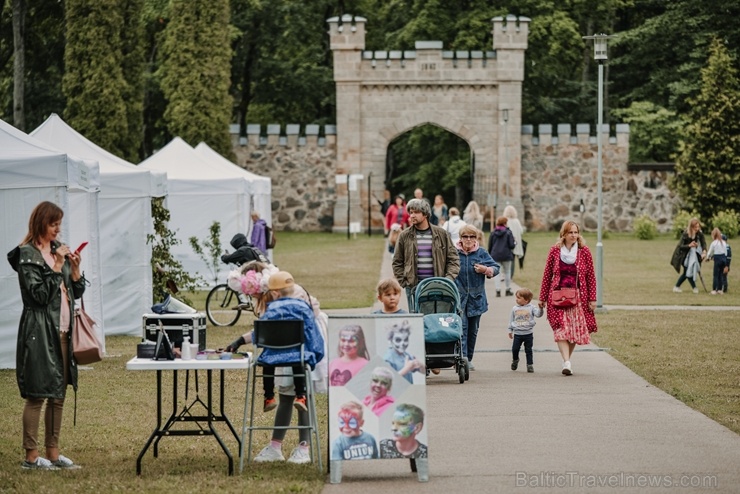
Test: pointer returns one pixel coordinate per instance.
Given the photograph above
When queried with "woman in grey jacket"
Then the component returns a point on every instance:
(50, 281)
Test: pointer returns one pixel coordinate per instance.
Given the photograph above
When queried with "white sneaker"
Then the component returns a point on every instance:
(38, 464)
(300, 454)
(268, 454)
(695, 289)
(676, 290)
(713, 292)
(65, 463)
(566, 368)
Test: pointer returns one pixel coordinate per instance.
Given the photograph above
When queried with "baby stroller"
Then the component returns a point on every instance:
(439, 301)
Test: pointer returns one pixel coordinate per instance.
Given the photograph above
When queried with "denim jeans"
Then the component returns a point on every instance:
(718, 278)
(528, 340)
(683, 278)
(470, 334)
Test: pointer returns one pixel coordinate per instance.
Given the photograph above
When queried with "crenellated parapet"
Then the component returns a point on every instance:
(510, 32)
(510, 42)
(347, 32)
(617, 135)
(290, 135)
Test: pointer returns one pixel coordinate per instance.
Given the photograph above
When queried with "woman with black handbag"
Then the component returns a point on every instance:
(50, 281)
(569, 291)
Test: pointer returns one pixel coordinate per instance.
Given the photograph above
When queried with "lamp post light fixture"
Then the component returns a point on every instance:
(600, 55)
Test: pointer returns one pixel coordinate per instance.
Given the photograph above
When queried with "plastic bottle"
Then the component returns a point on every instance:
(186, 349)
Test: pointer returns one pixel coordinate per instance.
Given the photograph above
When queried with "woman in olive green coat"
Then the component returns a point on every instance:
(50, 281)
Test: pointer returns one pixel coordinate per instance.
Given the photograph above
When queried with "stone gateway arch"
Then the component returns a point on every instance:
(380, 95)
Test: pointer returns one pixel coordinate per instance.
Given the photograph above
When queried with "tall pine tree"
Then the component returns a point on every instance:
(93, 82)
(195, 73)
(708, 165)
(133, 63)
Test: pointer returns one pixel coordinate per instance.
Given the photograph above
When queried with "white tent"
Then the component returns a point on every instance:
(260, 188)
(30, 172)
(125, 220)
(199, 194)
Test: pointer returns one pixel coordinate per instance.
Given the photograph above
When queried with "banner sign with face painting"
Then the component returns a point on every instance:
(377, 392)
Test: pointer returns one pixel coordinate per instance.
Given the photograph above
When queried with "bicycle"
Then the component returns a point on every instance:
(223, 306)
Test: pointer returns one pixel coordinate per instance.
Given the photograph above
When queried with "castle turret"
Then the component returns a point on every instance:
(510, 42)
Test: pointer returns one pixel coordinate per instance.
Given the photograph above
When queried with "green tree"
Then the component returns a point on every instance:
(281, 72)
(654, 131)
(210, 251)
(708, 166)
(166, 270)
(132, 48)
(662, 47)
(93, 81)
(44, 61)
(195, 73)
(434, 159)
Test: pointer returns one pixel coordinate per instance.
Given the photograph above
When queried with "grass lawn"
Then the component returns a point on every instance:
(692, 355)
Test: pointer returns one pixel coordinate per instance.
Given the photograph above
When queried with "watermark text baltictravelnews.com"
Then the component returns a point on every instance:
(616, 480)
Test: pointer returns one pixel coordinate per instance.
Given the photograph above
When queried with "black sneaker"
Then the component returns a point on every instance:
(498, 293)
(509, 293)
(514, 364)
(530, 368)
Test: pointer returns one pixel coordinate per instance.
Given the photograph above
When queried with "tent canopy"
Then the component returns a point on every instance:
(257, 183)
(30, 172)
(259, 187)
(200, 193)
(119, 178)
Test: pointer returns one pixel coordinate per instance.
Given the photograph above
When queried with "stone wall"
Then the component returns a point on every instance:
(561, 170)
(558, 171)
(302, 170)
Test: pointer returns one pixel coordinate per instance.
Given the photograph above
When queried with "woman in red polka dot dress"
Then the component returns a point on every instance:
(570, 265)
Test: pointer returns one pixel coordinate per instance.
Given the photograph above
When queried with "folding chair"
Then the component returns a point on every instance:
(282, 334)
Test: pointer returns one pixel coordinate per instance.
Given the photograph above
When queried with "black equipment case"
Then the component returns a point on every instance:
(177, 327)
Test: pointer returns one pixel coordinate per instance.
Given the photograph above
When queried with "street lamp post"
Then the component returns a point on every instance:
(600, 55)
(505, 116)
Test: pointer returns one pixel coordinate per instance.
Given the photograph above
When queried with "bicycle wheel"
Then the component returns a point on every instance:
(222, 306)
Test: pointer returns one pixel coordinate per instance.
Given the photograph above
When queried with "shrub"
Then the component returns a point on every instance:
(644, 227)
(727, 221)
(680, 222)
(210, 251)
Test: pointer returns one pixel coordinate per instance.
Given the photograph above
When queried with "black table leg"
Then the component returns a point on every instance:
(155, 433)
(211, 417)
(223, 414)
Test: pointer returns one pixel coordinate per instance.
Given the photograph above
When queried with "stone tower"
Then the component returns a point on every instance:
(383, 94)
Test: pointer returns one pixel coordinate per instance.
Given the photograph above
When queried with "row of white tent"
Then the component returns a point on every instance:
(107, 202)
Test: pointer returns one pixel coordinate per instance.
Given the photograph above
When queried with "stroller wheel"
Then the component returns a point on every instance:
(461, 374)
(467, 369)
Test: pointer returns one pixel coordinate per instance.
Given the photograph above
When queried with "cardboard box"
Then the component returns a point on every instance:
(177, 327)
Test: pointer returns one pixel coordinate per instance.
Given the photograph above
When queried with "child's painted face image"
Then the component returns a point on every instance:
(400, 342)
(402, 426)
(348, 343)
(379, 386)
(350, 422)
(390, 299)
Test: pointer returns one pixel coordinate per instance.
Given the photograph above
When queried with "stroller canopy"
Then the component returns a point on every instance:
(436, 295)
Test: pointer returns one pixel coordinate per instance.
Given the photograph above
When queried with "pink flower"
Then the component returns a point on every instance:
(250, 282)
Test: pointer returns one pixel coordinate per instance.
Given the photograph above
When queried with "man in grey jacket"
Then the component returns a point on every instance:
(423, 251)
